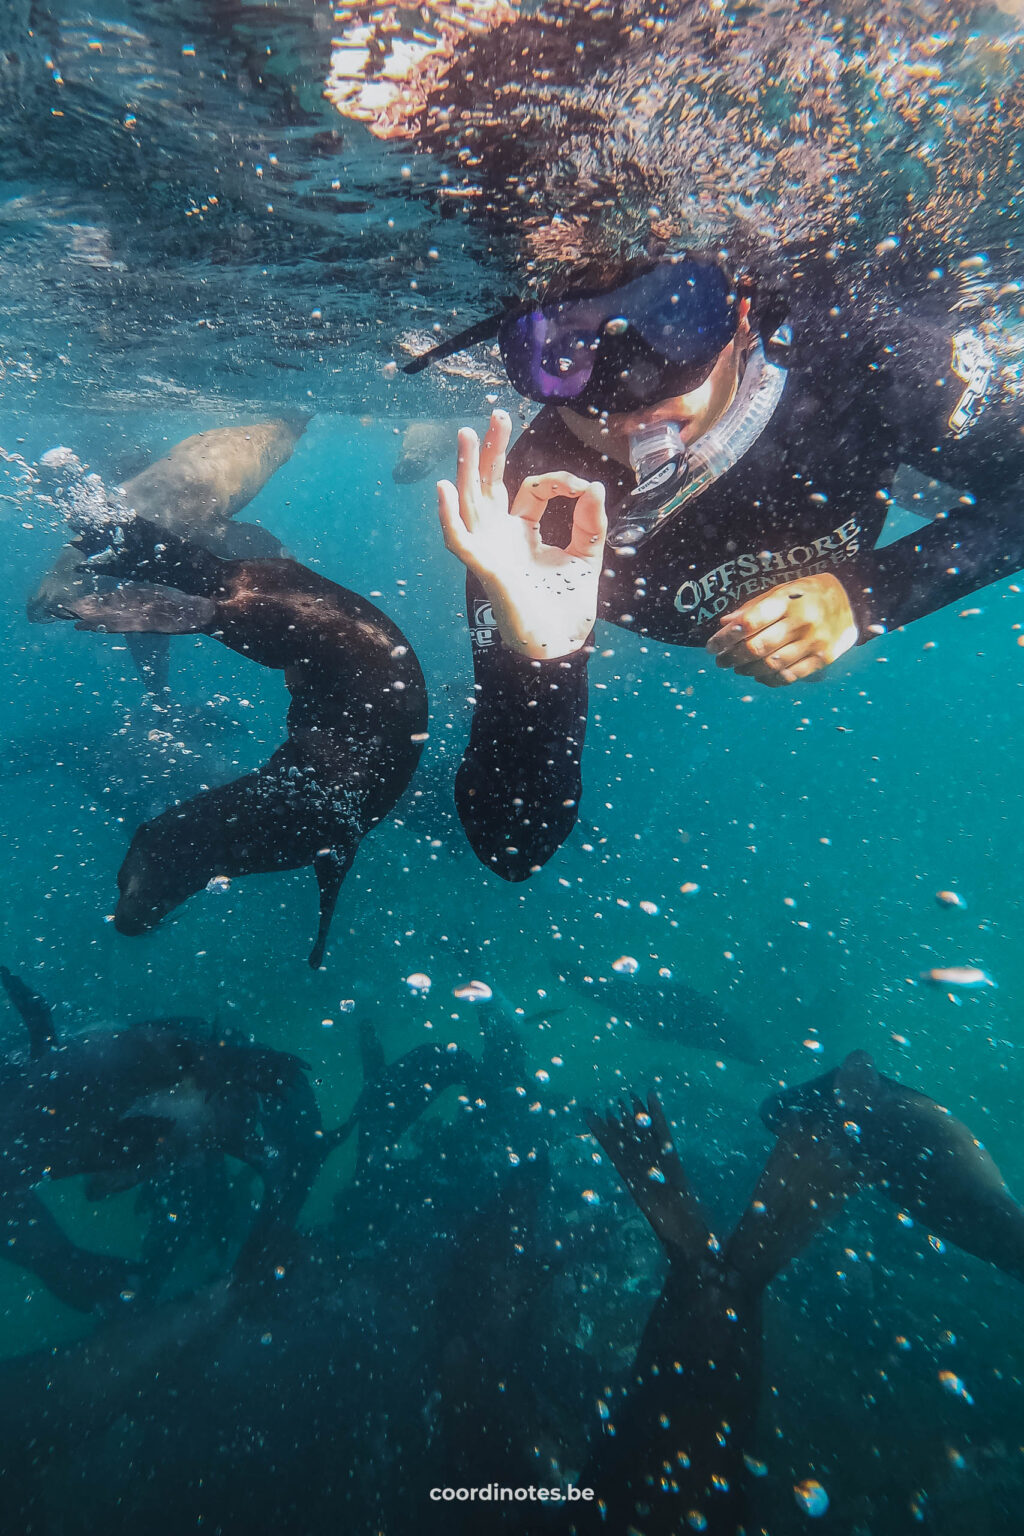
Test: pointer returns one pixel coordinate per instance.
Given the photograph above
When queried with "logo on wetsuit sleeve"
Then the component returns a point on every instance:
(734, 581)
(482, 626)
(971, 363)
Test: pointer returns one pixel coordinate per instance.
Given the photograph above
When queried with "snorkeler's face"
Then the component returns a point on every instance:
(693, 412)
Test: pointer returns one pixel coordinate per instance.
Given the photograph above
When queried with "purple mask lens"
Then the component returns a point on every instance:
(657, 335)
(532, 356)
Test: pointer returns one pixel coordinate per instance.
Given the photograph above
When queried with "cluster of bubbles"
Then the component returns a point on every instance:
(597, 132)
(78, 494)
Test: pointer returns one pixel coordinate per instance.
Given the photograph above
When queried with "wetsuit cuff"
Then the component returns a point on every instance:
(860, 595)
(528, 664)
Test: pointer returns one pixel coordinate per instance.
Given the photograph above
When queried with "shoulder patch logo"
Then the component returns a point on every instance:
(973, 364)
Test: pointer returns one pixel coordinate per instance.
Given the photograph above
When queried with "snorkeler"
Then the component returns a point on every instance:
(674, 1447)
(356, 723)
(739, 446)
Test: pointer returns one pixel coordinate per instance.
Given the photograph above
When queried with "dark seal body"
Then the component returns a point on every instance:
(123, 1106)
(356, 723)
(926, 1160)
(671, 1453)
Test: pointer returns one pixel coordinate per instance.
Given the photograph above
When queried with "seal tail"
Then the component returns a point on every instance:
(638, 1142)
(802, 1186)
(330, 866)
(36, 1014)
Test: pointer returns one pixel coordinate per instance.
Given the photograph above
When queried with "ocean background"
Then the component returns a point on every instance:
(779, 852)
(817, 821)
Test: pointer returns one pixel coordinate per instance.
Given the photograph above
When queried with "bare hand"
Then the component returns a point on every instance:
(788, 633)
(544, 598)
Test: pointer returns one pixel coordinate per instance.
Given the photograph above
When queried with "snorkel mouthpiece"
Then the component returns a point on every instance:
(661, 463)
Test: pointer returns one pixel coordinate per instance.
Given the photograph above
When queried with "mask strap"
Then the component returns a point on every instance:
(484, 330)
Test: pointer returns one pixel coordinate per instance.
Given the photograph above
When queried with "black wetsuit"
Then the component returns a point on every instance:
(870, 386)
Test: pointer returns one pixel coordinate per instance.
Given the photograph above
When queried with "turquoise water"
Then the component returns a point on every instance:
(818, 823)
(454, 1315)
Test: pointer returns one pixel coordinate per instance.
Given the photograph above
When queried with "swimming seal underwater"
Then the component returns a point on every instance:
(356, 723)
(424, 444)
(670, 1456)
(196, 490)
(394, 1096)
(124, 1105)
(918, 1154)
(669, 1010)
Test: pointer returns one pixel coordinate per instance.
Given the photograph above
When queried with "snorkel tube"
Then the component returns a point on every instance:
(670, 476)
(661, 463)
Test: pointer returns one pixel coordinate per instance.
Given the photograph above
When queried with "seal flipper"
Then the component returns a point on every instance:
(338, 1137)
(330, 866)
(36, 1014)
(804, 1182)
(639, 1144)
(137, 550)
(133, 610)
(79, 1277)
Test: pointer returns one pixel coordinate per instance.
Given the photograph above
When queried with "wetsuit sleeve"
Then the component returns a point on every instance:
(960, 552)
(961, 423)
(519, 784)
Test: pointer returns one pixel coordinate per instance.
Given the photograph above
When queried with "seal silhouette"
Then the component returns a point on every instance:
(675, 1451)
(356, 723)
(921, 1156)
(424, 444)
(119, 1106)
(196, 490)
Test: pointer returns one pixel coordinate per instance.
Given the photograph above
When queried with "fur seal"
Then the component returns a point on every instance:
(356, 723)
(124, 1105)
(424, 444)
(698, 1366)
(206, 480)
(196, 490)
(394, 1097)
(671, 1011)
(922, 1157)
